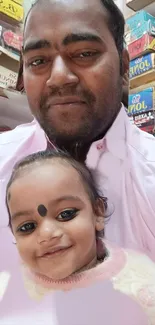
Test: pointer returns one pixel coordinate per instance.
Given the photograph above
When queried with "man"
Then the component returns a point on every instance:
(74, 63)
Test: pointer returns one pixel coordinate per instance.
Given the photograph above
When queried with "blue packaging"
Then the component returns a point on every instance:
(138, 25)
(141, 65)
(142, 101)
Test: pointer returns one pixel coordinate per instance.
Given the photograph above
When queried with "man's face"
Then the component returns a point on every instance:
(71, 69)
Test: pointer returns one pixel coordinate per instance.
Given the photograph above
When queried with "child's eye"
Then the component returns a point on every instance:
(68, 214)
(27, 227)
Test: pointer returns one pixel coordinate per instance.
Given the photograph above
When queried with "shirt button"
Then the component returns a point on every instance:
(99, 146)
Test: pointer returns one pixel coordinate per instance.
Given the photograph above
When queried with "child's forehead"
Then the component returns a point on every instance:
(48, 165)
(50, 172)
(47, 183)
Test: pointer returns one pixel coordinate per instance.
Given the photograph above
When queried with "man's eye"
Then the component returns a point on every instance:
(67, 215)
(86, 54)
(37, 62)
(27, 227)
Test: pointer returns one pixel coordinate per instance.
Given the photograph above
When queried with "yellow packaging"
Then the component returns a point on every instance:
(12, 9)
(20, 2)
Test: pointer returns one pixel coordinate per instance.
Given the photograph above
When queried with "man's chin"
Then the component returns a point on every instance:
(66, 136)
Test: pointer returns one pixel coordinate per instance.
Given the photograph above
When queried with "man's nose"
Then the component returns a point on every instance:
(61, 75)
(49, 231)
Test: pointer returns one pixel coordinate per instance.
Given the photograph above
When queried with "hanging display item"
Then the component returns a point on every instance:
(12, 9)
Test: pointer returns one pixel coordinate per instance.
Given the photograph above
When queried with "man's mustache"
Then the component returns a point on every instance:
(83, 95)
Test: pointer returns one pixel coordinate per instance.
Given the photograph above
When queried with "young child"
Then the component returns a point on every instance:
(57, 217)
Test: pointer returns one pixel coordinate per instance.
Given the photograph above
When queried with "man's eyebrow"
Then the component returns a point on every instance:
(36, 45)
(81, 37)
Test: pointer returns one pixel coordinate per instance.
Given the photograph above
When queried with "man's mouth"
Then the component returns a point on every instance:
(66, 101)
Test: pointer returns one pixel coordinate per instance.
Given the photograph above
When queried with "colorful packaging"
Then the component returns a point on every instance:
(141, 20)
(142, 102)
(145, 121)
(20, 2)
(12, 9)
(142, 46)
(142, 70)
(138, 25)
(9, 39)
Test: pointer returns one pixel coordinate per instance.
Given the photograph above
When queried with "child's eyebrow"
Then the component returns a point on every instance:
(18, 214)
(67, 198)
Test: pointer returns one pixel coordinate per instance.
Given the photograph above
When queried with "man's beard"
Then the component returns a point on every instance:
(96, 123)
(67, 136)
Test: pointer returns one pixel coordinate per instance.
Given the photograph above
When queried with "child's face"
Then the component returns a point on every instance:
(64, 240)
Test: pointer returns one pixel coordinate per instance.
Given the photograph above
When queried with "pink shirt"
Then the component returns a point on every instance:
(124, 163)
(124, 167)
(118, 291)
(125, 278)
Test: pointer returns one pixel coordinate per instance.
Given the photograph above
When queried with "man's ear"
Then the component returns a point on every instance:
(99, 210)
(20, 81)
(125, 77)
(125, 62)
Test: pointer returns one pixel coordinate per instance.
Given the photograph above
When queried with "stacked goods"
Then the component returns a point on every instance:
(142, 70)
(140, 39)
(11, 17)
(139, 34)
(141, 108)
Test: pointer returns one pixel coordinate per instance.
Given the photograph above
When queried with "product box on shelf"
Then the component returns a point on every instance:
(20, 2)
(141, 102)
(8, 71)
(142, 70)
(145, 121)
(141, 20)
(142, 46)
(12, 9)
(10, 39)
(138, 25)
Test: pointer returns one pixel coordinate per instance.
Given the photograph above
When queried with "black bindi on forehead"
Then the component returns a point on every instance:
(42, 210)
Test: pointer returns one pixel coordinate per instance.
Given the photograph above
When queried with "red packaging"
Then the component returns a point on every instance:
(141, 46)
(10, 38)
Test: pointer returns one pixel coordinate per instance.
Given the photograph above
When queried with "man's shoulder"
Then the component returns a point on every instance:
(15, 136)
(143, 144)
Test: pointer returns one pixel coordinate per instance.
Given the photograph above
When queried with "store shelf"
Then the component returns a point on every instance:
(14, 108)
(151, 9)
(10, 54)
(141, 4)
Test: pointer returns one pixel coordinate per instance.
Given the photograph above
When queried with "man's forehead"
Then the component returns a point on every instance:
(60, 12)
(83, 4)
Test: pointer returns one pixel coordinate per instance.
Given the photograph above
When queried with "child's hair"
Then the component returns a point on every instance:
(62, 156)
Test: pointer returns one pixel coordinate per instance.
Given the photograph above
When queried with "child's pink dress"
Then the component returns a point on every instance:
(119, 291)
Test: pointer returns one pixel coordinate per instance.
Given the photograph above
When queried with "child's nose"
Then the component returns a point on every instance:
(49, 231)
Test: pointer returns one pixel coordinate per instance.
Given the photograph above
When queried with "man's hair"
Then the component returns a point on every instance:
(116, 21)
(62, 157)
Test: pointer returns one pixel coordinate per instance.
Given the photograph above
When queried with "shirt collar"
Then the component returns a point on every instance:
(114, 141)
